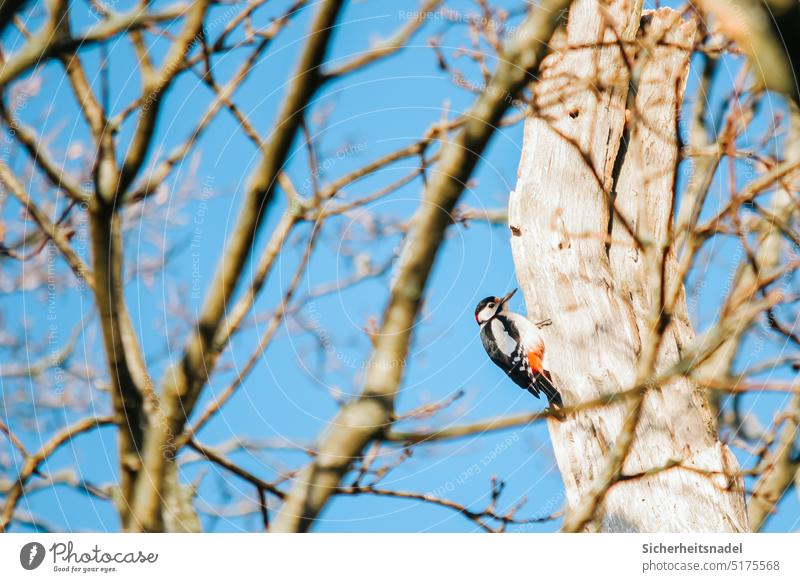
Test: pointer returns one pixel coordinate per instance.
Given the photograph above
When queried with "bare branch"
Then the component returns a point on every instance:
(184, 381)
(364, 419)
(50, 230)
(32, 462)
(389, 47)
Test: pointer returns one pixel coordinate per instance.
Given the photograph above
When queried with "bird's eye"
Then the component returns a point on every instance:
(491, 305)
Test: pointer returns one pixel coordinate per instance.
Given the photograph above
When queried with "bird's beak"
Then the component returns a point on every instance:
(507, 297)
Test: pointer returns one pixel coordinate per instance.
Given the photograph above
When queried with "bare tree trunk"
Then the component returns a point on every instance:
(650, 461)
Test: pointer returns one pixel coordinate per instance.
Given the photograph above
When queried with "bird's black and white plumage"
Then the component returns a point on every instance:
(516, 345)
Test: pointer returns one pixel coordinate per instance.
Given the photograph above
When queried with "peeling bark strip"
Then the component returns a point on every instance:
(613, 327)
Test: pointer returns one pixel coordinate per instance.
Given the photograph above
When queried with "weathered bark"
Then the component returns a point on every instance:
(579, 264)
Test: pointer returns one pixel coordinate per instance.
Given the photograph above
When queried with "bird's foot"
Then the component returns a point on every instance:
(544, 323)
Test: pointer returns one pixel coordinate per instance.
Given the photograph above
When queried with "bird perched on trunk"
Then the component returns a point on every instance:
(516, 345)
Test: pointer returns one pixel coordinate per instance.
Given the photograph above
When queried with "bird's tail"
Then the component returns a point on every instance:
(545, 384)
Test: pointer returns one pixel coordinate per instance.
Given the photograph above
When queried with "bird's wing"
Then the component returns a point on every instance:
(532, 340)
(498, 338)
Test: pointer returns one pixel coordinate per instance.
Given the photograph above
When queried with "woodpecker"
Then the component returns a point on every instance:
(516, 345)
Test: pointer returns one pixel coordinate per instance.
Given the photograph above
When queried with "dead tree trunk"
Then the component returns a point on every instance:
(602, 276)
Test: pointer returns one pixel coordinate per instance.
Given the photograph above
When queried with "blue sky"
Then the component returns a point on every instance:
(374, 111)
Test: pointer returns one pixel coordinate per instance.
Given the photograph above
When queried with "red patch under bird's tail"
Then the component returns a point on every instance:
(541, 378)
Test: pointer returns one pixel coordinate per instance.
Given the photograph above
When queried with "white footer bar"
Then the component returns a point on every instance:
(399, 557)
